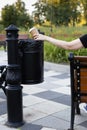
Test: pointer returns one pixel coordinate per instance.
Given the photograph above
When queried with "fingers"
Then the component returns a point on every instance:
(36, 37)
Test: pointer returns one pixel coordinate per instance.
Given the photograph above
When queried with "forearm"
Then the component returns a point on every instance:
(73, 45)
(59, 43)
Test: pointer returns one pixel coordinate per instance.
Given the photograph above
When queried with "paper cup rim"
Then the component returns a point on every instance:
(31, 29)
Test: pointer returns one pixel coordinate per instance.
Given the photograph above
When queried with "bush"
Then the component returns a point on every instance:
(54, 54)
(1, 28)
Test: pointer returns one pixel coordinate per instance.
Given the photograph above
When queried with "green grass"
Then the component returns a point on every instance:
(67, 33)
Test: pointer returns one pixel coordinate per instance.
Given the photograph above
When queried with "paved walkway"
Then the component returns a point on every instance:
(46, 106)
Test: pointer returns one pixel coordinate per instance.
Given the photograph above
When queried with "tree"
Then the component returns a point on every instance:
(59, 12)
(84, 6)
(16, 14)
(39, 13)
(75, 12)
(9, 15)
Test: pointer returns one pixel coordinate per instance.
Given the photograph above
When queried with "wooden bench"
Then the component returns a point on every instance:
(23, 36)
(3, 39)
(78, 76)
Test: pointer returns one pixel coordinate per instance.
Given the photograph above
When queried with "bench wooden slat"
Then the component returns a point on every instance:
(21, 36)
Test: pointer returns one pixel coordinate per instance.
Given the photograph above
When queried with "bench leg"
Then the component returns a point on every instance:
(77, 109)
(72, 115)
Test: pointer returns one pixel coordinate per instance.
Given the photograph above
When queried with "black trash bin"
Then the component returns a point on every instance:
(32, 61)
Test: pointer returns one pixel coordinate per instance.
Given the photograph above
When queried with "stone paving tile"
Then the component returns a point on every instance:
(33, 90)
(53, 122)
(65, 115)
(31, 114)
(50, 73)
(79, 127)
(3, 127)
(31, 100)
(64, 90)
(3, 107)
(48, 85)
(28, 126)
(63, 82)
(47, 129)
(65, 99)
(49, 107)
(62, 76)
(84, 124)
(3, 119)
(2, 95)
(48, 95)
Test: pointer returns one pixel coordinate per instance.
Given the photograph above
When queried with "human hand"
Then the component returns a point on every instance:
(39, 37)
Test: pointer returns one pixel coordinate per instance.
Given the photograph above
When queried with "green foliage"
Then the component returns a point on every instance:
(9, 15)
(1, 27)
(62, 13)
(39, 12)
(84, 3)
(16, 14)
(54, 54)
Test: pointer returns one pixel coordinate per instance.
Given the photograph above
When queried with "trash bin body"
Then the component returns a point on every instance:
(32, 62)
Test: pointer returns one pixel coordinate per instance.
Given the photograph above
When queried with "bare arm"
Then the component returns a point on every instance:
(72, 45)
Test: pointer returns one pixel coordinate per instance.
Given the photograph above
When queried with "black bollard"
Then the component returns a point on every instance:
(13, 79)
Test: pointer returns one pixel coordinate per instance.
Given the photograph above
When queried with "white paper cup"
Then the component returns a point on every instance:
(33, 31)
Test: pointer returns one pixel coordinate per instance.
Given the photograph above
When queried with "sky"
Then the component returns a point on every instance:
(28, 4)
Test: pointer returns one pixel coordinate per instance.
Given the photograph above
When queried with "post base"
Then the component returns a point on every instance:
(15, 125)
(70, 129)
